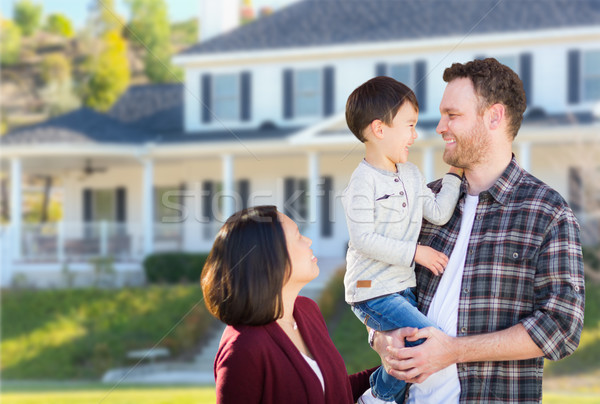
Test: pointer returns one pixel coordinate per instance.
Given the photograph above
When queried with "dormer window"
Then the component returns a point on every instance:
(226, 97)
(414, 75)
(307, 93)
(403, 73)
(591, 76)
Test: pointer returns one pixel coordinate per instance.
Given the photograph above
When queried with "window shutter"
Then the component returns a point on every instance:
(244, 192)
(246, 98)
(121, 196)
(288, 89)
(328, 90)
(288, 191)
(381, 69)
(206, 98)
(421, 84)
(525, 67)
(326, 214)
(208, 190)
(573, 80)
(87, 205)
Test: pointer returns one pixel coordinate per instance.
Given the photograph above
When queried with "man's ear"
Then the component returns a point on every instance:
(496, 115)
(376, 127)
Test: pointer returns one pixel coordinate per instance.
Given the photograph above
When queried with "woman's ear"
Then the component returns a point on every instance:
(376, 127)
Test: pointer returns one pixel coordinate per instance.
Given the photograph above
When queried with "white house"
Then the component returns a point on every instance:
(259, 120)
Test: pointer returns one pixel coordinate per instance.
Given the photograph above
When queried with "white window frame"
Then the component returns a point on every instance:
(411, 73)
(236, 113)
(585, 97)
(316, 93)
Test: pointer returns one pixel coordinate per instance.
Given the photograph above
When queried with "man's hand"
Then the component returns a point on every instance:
(416, 364)
(431, 259)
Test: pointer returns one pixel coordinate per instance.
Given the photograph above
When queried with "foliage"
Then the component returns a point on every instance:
(55, 67)
(108, 74)
(10, 41)
(185, 33)
(150, 29)
(28, 16)
(81, 333)
(333, 297)
(104, 18)
(60, 24)
(174, 267)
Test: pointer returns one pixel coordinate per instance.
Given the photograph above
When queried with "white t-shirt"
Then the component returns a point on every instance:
(315, 367)
(443, 386)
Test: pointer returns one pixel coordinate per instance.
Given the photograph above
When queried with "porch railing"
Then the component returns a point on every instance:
(69, 242)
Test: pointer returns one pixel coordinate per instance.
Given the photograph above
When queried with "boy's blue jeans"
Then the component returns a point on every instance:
(387, 313)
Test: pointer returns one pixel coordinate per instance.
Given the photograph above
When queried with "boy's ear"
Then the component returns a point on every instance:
(376, 127)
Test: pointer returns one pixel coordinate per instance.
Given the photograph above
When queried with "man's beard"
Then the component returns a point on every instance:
(471, 148)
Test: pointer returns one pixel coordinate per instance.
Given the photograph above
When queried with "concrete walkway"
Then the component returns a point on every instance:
(201, 370)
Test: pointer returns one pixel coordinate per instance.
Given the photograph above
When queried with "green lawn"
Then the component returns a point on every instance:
(95, 393)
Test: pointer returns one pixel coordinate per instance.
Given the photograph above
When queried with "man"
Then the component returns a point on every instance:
(513, 291)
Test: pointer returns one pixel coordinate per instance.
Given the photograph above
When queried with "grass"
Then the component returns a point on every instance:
(97, 393)
(81, 333)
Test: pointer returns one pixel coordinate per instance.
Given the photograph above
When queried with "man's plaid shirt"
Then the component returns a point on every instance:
(523, 265)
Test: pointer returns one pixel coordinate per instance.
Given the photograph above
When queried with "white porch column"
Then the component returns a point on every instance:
(314, 208)
(16, 209)
(525, 156)
(428, 170)
(228, 195)
(148, 206)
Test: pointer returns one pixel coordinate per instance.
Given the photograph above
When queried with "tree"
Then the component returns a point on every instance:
(108, 73)
(104, 18)
(55, 67)
(10, 40)
(149, 27)
(60, 24)
(28, 16)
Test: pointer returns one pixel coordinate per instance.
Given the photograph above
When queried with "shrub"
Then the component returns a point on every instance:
(174, 267)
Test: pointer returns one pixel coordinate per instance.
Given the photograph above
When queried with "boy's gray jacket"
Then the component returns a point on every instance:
(384, 211)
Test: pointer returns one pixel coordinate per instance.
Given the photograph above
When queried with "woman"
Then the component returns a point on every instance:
(276, 348)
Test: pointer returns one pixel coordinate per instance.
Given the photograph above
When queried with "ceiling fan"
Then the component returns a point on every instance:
(89, 169)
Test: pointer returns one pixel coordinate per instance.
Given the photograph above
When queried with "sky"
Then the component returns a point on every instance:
(76, 10)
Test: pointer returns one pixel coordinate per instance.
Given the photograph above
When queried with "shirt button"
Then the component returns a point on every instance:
(401, 193)
(471, 251)
(403, 204)
(396, 179)
(479, 217)
(515, 255)
(463, 329)
(576, 288)
(466, 290)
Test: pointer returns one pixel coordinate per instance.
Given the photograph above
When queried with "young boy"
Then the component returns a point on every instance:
(385, 202)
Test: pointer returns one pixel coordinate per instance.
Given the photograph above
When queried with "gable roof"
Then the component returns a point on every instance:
(152, 107)
(337, 22)
(83, 125)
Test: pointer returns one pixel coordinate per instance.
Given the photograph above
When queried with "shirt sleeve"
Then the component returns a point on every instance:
(557, 321)
(238, 373)
(438, 208)
(359, 207)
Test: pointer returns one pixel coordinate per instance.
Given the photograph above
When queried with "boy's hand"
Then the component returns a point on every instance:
(431, 259)
(458, 171)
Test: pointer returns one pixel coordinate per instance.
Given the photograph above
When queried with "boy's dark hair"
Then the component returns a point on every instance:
(379, 98)
(247, 268)
(493, 83)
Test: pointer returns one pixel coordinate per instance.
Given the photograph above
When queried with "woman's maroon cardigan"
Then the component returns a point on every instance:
(260, 364)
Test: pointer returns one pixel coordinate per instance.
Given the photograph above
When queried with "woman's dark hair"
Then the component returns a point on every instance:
(247, 268)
